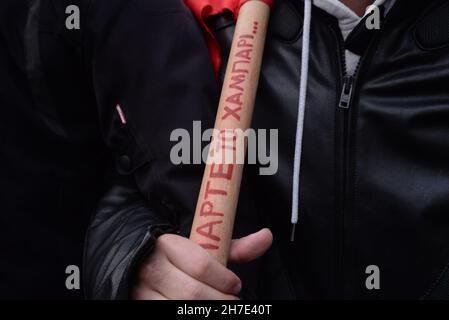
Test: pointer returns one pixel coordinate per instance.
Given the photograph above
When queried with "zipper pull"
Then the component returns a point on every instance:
(346, 93)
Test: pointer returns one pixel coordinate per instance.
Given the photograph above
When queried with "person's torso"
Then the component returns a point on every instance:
(375, 175)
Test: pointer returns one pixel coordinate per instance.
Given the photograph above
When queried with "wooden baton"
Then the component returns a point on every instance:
(217, 202)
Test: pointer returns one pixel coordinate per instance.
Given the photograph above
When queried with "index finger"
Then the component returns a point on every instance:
(192, 259)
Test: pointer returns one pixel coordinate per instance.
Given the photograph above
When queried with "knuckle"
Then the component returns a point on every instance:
(168, 242)
(201, 267)
(164, 240)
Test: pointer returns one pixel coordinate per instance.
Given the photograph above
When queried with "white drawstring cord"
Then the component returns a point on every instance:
(301, 113)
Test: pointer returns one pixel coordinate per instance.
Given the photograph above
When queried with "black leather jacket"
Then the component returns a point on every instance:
(375, 176)
(60, 130)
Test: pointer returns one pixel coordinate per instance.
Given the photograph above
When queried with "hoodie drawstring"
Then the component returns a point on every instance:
(301, 113)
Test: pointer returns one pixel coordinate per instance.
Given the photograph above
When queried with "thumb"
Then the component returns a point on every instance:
(250, 247)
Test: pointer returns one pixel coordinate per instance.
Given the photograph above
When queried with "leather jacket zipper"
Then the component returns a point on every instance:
(344, 105)
(346, 92)
(345, 113)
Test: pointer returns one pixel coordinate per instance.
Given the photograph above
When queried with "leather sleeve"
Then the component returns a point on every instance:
(150, 58)
(121, 234)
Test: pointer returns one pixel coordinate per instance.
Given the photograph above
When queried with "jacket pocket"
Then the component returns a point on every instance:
(432, 32)
(129, 155)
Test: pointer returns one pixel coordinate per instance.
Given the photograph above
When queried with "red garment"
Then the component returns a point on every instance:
(203, 9)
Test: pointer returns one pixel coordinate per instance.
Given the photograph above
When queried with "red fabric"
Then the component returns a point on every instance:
(203, 9)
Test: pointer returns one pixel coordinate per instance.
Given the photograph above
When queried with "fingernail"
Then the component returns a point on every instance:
(238, 288)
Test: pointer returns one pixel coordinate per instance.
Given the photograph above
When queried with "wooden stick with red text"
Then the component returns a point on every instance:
(217, 203)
